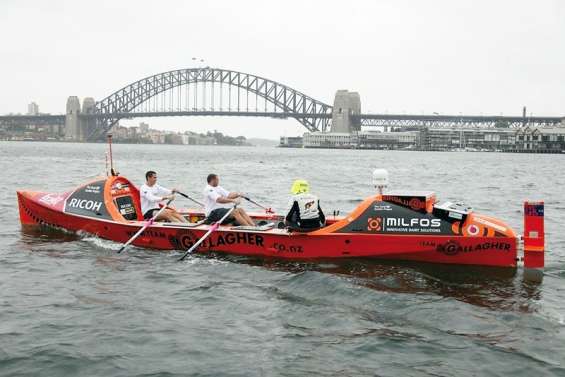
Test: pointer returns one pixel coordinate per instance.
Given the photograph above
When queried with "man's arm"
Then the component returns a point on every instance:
(164, 191)
(154, 198)
(293, 216)
(228, 197)
(219, 198)
(321, 214)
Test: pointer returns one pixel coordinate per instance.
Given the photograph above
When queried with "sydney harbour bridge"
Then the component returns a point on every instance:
(220, 92)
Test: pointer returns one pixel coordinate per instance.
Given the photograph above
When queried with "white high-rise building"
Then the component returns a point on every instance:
(32, 109)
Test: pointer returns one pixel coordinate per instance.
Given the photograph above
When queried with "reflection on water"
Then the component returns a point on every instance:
(31, 233)
(490, 287)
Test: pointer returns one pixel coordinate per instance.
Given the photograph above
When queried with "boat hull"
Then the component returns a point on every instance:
(278, 243)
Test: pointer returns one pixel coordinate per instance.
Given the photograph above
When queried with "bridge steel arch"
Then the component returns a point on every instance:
(311, 113)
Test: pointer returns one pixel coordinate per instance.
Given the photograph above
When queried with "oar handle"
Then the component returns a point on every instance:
(268, 210)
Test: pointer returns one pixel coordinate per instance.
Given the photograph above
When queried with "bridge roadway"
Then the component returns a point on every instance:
(383, 120)
(44, 119)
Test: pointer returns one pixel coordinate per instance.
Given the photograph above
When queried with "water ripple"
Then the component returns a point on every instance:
(70, 306)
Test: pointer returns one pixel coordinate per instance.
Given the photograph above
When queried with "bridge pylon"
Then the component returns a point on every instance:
(72, 120)
(87, 124)
(346, 106)
(78, 127)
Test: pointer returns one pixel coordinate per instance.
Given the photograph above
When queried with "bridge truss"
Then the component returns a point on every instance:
(219, 92)
(453, 121)
(210, 91)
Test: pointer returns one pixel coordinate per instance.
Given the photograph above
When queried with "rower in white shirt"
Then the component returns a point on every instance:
(218, 201)
(152, 195)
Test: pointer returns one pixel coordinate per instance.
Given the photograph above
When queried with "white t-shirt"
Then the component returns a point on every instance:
(211, 194)
(152, 196)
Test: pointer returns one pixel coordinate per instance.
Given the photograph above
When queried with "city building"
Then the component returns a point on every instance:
(491, 139)
(198, 139)
(387, 140)
(330, 140)
(157, 137)
(32, 109)
(524, 139)
(365, 139)
(540, 140)
(143, 134)
(175, 139)
(132, 132)
(143, 128)
(291, 142)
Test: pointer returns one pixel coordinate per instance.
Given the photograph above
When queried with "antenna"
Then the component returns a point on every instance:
(112, 171)
(107, 173)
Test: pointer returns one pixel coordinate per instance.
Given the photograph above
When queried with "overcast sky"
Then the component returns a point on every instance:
(412, 56)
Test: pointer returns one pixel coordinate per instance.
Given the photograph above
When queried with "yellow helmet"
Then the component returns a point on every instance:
(300, 186)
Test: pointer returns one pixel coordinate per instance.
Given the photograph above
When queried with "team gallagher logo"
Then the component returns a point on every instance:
(449, 248)
(183, 240)
(414, 203)
(454, 247)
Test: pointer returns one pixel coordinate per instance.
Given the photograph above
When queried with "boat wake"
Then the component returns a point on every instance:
(100, 243)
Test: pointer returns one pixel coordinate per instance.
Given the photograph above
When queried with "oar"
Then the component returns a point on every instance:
(215, 226)
(268, 210)
(148, 223)
(189, 198)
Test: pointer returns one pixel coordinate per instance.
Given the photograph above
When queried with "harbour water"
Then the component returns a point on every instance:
(70, 306)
